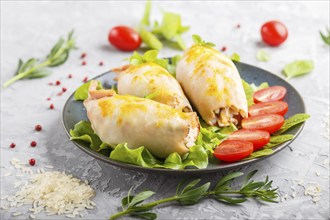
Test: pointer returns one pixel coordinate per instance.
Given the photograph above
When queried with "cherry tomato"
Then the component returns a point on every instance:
(231, 151)
(274, 33)
(270, 122)
(257, 138)
(124, 38)
(270, 94)
(263, 108)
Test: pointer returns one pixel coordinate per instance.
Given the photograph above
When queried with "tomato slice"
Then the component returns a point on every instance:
(270, 94)
(232, 150)
(263, 108)
(256, 137)
(270, 122)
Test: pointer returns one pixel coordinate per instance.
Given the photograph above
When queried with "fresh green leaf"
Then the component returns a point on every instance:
(248, 93)
(263, 56)
(150, 55)
(298, 68)
(146, 15)
(278, 139)
(248, 177)
(162, 62)
(226, 179)
(197, 39)
(178, 39)
(83, 131)
(146, 215)
(326, 37)
(250, 89)
(197, 157)
(140, 198)
(19, 67)
(40, 73)
(170, 25)
(293, 121)
(193, 195)
(59, 60)
(151, 40)
(235, 57)
(231, 200)
(259, 153)
(82, 92)
(138, 156)
(57, 47)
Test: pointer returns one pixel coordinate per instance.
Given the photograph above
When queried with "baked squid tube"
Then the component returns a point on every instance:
(213, 85)
(151, 79)
(140, 122)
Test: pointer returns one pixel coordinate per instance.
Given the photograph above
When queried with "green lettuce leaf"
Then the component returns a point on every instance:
(151, 40)
(82, 92)
(197, 156)
(259, 153)
(298, 68)
(263, 56)
(292, 121)
(83, 131)
(279, 139)
(249, 89)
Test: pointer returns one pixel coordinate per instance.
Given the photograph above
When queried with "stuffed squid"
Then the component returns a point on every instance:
(150, 79)
(140, 122)
(213, 85)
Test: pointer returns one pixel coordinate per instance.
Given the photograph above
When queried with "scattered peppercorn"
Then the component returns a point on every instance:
(85, 79)
(58, 82)
(223, 49)
(48, 99)
(32, 162)
(70, 76)
(101, 63)
(50, 83)
(12, 145)
(59, 94)
(64, 89)
(83, 55)
(38, 128)
(51, 106)
(83, 63)
(33, 144)
(238, 26)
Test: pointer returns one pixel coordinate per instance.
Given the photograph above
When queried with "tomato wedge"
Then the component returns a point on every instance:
(263, 108)
(232, 150)
(270, 122)
(270, 94)
(257, 138)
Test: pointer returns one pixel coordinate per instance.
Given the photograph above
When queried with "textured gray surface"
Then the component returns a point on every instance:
(30, 29)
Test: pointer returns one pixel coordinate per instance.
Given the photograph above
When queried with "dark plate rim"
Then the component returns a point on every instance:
(105, 159)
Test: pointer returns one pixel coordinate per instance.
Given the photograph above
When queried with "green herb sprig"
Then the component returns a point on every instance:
(326, 37)
(149, 56)
(199, 41)
(33, 69)
(193, 192)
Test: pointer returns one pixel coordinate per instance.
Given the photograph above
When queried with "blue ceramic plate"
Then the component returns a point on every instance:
(74, 112)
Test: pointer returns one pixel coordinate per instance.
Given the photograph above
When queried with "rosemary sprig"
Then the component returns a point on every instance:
(192, 192)
(326, 37)
(33, 69)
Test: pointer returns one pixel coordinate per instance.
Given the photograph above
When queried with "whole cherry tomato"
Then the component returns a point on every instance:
(124, 38)
(274, 33)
